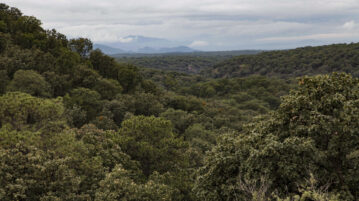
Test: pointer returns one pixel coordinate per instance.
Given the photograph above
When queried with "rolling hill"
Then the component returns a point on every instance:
(292, 63)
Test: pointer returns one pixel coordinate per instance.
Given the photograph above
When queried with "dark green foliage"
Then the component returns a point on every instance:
(66, 61)
(29, 81)
(116, 109)
(245, 89)
(118, 185)
(82, 46)
(85, 77)
(108, 88)
(105, 122)
(88, 100)
(42, 162)
(325, 109)
(150, 141)
(293, 63)
(141, 104)
(200, 138)
(126, 74)
(76, 116)
(59, 83)
(128, 77)
(313, 131)
(3, 26)
(192, 63)
(149, 86)
(186, 103)
(180, 119)
(103, 144)
(186, 64)
(28, 173)
(104, 64)
(21, 110)
(4, 80)
(3, 40)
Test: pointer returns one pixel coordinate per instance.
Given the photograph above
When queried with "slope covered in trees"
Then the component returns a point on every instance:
(305, 150)
(192, 63)
(77, 125)
(293, 63)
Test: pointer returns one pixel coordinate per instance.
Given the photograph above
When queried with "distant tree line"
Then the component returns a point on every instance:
(293, 63)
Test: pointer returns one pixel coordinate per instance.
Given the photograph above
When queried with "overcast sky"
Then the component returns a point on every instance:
(203, 24)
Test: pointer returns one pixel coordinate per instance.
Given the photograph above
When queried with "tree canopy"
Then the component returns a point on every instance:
(77, 125)
(314, 131)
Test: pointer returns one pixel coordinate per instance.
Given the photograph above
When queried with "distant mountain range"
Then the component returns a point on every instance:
(108, 50)
(179, 49)
(142, 44)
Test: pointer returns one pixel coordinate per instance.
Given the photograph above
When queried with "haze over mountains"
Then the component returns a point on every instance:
(142, 44)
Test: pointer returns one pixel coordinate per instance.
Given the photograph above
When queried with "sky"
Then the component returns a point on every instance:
(203, 24)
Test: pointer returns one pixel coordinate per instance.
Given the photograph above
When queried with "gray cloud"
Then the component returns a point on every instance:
(219, 24)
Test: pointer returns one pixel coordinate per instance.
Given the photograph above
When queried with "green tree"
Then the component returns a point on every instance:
(3, 26)
(4, 40)
(4, 80)
(108, 88)
(186, 103)
(200, 138)
(105, 122)
(102, 143)
(150, 141)
(75, 116)
(149, 86)
(141, 104)
(27, 173)
(66, 61)
(30, 82)
(129, 77)
(85, 77)
(87, 99)
(82, 46)
(22, 110)
(118, 185)
(179, 118)
(105, 65)
(116, 109)
(60, 84)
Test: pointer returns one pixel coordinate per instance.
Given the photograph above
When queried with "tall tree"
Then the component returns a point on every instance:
(30, 82)
(82, 46)
(150, 141)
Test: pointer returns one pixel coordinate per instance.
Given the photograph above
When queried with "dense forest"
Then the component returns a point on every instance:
(193, 63)
(280, 63)
(296, 62)
(75, 124)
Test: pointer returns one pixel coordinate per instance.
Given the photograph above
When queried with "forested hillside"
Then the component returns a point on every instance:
(77, 125)
(293, 63)
(192, 63)
(281, 63)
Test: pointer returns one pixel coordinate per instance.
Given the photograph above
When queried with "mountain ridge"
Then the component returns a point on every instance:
(143, 44)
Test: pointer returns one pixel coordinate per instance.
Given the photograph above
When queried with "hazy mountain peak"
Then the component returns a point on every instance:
(144, 44)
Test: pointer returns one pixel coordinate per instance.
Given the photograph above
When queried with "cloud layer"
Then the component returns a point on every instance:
(203, 24)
